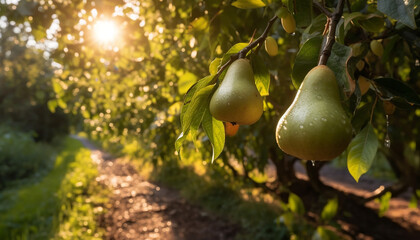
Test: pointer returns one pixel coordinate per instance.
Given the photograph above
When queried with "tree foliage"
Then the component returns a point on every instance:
(155, 81)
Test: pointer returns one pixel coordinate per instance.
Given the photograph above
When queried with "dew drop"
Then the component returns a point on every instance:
(301, 126)
(324, 119)
(311, 124)
(313, 163)
(316, 119)
(284, 127)
(387, 142)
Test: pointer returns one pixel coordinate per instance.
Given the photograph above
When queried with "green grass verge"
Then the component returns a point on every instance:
(64, 204)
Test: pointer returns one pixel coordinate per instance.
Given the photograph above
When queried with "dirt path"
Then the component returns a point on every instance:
(144, 211)
(399, 210)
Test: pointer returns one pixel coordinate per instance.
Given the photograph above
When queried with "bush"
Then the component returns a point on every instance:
(21, 156)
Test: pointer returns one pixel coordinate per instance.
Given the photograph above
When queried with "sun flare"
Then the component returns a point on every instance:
(105, 31)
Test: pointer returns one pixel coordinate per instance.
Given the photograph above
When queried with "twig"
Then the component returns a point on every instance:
(395, 189)
(348, 6)
(245, 50)
(322, 9)
(262, 185)
(373, 108)
(335, 18)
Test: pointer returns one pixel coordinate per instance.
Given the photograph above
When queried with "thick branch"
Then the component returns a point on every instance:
(335, 18)
(245, 50)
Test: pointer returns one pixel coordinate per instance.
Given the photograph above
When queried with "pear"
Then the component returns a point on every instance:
(271, 46)
(289, 23)
(237, 99)
(231, 129)
(377, 48)
(315, 126)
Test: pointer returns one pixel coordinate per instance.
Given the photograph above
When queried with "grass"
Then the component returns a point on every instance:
(64, 204)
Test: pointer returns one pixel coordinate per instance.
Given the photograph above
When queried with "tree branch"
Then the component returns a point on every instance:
(395, 189)
(262, 185)
(335, 18)
(245, 50)
(322, 9)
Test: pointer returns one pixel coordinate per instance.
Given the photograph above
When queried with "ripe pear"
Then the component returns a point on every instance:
(271, 46)
(237, 99)
(289, 23)
(315, 126)
(231, 129)
(377, 48)
(364, 84)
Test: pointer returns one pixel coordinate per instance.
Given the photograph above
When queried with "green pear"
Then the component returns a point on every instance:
(315, 126)
(237, 99)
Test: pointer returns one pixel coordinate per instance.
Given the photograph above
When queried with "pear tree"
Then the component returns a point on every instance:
(176, 69)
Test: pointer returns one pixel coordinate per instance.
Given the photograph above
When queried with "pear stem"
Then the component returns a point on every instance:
(335, 18)
(249, 47)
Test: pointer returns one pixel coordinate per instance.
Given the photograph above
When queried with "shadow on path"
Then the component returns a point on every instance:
(142, 210)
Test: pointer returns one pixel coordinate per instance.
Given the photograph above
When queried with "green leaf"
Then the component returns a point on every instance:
(413, 201)
(194, 114)
(61, 103)
(261, 75)
(248, 4)
(282, 12)
(330, 210)
(39, 33)
(186, 81)
(233, 50)
(315, 29)
(361, 152)
(306, 59)
(179, 141)
(200, 24)
(303, 13)
(393, 89)
(371, 22)
(323, 233)
(384, 203)
(338, 64)
(214, 66)
(358, 5)
(52, 105)
(361, 117)
(215, 131)
(349, 17)
(295, 204)
(401, 10)
(192, 91)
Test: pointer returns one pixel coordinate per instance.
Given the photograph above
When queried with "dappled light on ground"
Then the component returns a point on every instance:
(140, 209)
